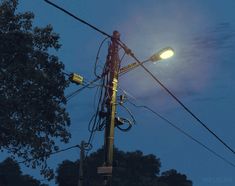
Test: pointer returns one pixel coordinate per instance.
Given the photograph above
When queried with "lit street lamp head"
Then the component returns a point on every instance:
(162, 54)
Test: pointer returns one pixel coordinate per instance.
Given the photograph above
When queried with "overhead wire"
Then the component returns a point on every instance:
(78, 19)
(128, 51)
(98, 120)
(120, 120)
(184, 106)
(80, 89)
(129, 112)
(98, 77)
(180, 104)
(65, 73)
(183, 132)
(51, 153)
(71, 95)
(97, 56)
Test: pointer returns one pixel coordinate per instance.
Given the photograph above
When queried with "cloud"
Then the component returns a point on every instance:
(220, 37)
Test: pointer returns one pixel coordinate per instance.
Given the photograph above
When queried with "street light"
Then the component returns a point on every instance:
(162, 54)
(165, 53)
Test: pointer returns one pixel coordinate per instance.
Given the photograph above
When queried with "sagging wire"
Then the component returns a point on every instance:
(86, 147)
(120, 121)
(97, 122)
(128, 51)
(71, 95)
(98, 77)
(97, 57)
(180, 130)
(187, 109)
(92, 84)
(78, 19)
(51, 153)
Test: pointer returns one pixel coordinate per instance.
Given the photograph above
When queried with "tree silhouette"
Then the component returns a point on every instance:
(11, 175)
(32, 84)
(173, 178)
(68, 173)
(132, 169)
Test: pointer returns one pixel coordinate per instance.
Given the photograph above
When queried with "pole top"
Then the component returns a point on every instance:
(116, 35)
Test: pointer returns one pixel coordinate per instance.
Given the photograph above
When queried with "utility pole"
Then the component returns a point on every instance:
(111, 102)
(82, 155)
(114, 66)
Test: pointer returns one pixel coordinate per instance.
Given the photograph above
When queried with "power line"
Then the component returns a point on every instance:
(78, 19)
(52, 153)
(77, 91)
(183, 132)
(97, 56)
(71, 95)
(129, 52)
(184, 106)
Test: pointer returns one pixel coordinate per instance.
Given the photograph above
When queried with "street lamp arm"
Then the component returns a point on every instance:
(165, 53)
(130, 67)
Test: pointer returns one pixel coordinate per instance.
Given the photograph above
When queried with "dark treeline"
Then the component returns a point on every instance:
(131, 169)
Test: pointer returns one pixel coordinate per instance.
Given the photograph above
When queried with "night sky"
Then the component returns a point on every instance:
(201, 75)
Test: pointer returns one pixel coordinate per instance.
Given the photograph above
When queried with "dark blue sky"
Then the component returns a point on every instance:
(201, 74)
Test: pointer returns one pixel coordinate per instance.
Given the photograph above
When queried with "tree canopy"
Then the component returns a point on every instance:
(132, 169)
(11, 175)
(32, 85)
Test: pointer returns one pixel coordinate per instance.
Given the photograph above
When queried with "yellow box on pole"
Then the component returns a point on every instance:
(75, 78)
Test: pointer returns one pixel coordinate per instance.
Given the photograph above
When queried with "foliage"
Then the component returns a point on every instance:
(173, 178)
(11, 175)
(32, 84)
(132, 169)
(68, 173)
